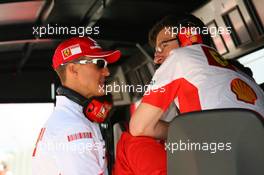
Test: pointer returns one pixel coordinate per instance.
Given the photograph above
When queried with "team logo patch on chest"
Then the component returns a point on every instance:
(243, 91)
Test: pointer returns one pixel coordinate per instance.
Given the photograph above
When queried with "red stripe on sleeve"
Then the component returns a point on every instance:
(186, 92)
(42, 131)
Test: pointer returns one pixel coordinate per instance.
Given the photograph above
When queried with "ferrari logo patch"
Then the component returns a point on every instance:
(70, 51)
(66, 53)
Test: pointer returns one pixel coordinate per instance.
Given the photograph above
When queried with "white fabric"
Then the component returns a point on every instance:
(170, 114)
(213, 82)
(56, 155)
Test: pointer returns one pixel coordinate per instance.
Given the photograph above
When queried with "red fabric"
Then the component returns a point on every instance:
(186, 92)
(189, 36)
(88, 47)
(132, 109)
(140, 156)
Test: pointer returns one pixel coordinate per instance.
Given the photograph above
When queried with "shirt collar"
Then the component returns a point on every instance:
(66, 102)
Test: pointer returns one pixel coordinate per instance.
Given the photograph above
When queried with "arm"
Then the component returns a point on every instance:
(162, 92)
(145, 122)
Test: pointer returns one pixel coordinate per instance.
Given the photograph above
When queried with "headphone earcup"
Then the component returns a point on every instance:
(90, 107)
(96, 111)
(187, 36)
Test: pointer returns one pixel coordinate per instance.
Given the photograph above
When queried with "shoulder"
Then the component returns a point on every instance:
(63, 123)
(179, 58)
(188, 51)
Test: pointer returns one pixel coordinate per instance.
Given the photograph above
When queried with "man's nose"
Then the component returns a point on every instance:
(158, 58)
(158, 49)
(157, 53)
(105, 71)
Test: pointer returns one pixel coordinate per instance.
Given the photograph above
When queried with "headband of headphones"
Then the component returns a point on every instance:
(191, 31)
(72, 95)
(188, 36)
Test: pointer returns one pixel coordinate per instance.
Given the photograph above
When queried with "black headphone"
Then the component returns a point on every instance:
(95, 109)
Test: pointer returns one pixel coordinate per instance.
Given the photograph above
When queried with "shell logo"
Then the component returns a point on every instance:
(243, 91)
(194, 38)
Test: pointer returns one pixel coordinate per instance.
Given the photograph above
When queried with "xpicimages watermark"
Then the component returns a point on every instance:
(211, 147)
(78, 147)
(47, 30)
(214, 31)
(122, 87)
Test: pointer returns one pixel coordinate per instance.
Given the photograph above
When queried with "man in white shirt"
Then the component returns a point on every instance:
(194, 77)
(70, 143)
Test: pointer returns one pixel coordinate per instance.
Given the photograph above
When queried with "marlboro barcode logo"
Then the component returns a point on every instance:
(80, 135)
(70, 51)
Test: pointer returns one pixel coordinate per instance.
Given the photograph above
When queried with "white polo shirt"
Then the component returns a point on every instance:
(69, 144)
(197, 78)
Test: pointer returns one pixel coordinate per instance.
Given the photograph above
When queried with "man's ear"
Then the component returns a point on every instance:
(72, 69)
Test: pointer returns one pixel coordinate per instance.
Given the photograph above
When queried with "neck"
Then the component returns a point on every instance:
(75, 87)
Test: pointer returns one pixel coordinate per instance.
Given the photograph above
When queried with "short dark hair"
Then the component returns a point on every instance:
(185, 20)
(241, 67)
(61, 72)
